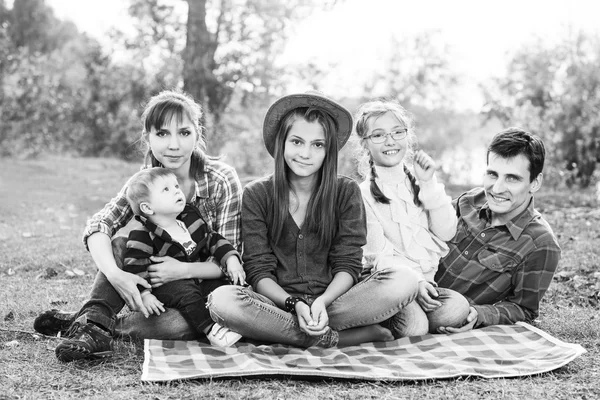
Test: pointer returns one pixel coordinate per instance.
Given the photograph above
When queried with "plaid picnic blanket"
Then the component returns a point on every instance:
(491, 352)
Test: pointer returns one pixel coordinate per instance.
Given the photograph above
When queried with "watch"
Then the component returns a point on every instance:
(290, 303)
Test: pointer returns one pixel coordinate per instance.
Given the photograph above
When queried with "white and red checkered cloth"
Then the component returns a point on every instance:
(491, 352)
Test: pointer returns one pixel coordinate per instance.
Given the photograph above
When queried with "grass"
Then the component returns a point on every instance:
(44, 205)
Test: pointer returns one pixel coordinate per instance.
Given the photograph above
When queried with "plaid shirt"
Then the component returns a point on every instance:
(151, 240)
(504, 270)
(218, 197)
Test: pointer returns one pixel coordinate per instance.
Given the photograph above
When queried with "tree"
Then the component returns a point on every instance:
(554, 91)
(229, 45)
(417, 73)
(33, 25)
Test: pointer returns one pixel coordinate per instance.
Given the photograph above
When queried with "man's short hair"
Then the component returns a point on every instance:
(138, 186)
(514, 141)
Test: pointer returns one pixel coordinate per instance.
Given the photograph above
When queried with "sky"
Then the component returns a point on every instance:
(355, 35)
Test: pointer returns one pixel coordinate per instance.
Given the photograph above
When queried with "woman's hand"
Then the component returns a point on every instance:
(318, 310)
(126, 285)
(426, 296)
(167, 269)
(424, 166)
(305, 319)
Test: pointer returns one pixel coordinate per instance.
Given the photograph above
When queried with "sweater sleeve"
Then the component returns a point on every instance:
(441, 213)
(221, 249)
(346, 250)
(259, 260)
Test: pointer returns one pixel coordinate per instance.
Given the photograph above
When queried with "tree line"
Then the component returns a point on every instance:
(61, 91)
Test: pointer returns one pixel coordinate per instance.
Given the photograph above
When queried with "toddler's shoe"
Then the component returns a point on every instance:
(84, 341)
(222, 337)
(53, 322)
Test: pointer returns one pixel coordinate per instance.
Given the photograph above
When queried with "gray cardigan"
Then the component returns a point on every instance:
(298, 263)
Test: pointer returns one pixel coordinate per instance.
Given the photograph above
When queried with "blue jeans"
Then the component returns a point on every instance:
(375, 299)
(105, 303)
(413, 321)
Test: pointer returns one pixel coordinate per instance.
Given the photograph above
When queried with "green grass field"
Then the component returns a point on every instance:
(43, 208)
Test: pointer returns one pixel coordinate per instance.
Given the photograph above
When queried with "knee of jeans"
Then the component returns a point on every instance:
(452, 313)
(220, 300)
(401, 282)
(410, 321)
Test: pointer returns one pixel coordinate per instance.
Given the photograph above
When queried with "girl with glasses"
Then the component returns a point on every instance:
(409, 216)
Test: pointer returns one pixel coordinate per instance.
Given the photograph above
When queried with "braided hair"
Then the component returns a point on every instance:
(374, 109)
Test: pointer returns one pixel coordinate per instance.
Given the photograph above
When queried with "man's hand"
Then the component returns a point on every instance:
(469, 324)
(126, 285)
(426, 296)
(424, 166)
(152, 304)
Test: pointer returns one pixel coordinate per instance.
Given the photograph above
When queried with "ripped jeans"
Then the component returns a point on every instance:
(375, 299)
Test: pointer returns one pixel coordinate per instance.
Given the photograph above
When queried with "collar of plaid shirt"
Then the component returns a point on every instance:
(515, 226)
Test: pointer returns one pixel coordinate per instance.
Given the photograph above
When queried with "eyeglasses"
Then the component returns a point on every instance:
(378, 138)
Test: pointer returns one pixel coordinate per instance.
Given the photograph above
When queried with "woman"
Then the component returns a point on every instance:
(172, 133)
(303, 232)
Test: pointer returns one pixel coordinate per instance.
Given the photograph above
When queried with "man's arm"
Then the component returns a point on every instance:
(530, 282)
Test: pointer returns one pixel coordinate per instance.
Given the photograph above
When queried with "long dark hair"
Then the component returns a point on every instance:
(322, 212)
(375, 109)
(165, 106)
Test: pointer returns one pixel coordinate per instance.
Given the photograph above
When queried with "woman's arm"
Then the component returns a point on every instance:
(228, 201)
(345, 253)
(114, 215)
(259, 259)
(124, 283)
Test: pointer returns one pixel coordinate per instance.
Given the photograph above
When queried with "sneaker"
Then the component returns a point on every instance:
(85, 341)
(222, 337)
(53, 322)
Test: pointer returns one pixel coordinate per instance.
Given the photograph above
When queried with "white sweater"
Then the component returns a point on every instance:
(400, 233)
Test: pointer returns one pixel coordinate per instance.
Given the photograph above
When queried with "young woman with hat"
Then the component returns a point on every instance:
(303, 228)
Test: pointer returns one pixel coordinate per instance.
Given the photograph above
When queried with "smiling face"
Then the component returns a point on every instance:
(304, 149)
(391, 152)
(166, 198)
(173, 144)
(507, 185)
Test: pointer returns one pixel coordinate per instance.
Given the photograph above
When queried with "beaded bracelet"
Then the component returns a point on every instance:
(290, 303)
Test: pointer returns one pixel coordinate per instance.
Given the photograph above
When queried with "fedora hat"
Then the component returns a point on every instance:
(312, 98)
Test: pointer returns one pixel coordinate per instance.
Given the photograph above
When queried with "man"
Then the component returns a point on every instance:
(504, 253)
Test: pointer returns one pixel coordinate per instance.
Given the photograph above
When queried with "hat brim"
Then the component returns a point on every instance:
(284, 105)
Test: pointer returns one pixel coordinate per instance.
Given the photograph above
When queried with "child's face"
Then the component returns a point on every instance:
(304, 150)
(391, 152)
(165, 196)
(173, 143)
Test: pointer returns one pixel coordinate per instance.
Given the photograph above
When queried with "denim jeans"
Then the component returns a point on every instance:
(373, 300)
(413, 321)
(105, 303)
